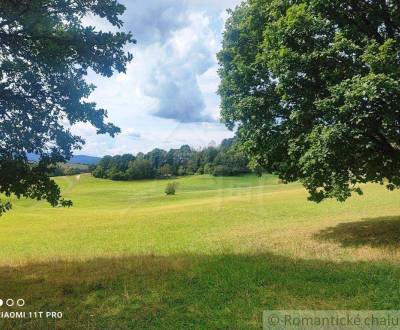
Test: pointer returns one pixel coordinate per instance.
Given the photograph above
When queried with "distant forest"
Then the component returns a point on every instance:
(70, 169)
(224, 160)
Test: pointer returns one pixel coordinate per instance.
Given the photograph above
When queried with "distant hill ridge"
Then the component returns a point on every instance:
(78, 159)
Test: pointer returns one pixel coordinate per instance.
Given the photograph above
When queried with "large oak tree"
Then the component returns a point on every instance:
(313, 87)
(45, 54)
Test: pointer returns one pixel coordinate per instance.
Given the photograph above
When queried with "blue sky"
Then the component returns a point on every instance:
(168, 96)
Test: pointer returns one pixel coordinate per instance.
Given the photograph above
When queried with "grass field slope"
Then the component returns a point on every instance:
(213, 256)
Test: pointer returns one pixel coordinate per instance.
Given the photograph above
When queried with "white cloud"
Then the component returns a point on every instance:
(168, 95)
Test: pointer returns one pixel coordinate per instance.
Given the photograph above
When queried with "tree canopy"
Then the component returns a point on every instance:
(224, 160)
(45, 54)
(313, 87)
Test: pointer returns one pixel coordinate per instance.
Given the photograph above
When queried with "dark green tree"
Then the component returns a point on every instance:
(208, 155)
(230, 162)
(314, 89)
(45, 54)
(100, 171)
(157, 157)
(140, 169)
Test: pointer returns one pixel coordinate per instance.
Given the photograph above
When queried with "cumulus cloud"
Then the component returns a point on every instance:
(179, 39)
(131, 133)
(172, 80)
(153, 21)
(187, 54)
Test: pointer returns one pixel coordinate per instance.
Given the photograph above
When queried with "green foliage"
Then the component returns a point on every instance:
(208, 169)
(230, 162)
(170, 189)
(156, 157)
(140, 169)
(166, 170)
(69, 169)
(4, 206)
(313, 87)
(221, 170)
(45, 55)
(182, 171)
(182, 161)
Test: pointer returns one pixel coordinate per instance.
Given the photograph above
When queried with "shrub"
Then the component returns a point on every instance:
(170, 189)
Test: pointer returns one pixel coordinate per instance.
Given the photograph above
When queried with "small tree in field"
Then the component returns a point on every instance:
(170, 189)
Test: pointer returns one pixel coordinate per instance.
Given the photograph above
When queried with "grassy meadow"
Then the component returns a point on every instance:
(214, 256)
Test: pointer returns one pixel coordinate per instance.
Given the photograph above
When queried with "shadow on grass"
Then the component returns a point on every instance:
(191, 291)
(376, 232)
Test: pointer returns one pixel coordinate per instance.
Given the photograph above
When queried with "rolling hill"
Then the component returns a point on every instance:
(214, 256)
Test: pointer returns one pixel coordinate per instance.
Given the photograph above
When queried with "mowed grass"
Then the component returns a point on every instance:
(213, 256)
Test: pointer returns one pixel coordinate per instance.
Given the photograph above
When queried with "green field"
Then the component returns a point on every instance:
(214, 256)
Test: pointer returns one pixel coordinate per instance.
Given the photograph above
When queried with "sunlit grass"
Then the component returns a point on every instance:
(212, 256)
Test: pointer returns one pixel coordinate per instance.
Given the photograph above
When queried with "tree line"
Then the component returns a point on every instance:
(223, 160)
(70, 169)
